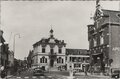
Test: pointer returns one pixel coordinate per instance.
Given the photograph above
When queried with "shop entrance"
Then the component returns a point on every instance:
(98, 63)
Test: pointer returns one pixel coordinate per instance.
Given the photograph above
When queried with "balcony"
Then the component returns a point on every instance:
(52, 55)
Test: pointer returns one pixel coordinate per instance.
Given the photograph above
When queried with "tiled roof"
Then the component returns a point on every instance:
(77, 52)
(110, 16)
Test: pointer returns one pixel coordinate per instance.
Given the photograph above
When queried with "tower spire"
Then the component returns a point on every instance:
(51, 32)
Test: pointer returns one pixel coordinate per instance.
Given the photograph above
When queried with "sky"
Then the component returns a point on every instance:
(33, 21)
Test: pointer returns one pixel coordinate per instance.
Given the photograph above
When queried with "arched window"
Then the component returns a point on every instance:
(59, 60)
(43, 60)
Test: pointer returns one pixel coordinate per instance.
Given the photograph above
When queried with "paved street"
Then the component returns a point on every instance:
(54, 75)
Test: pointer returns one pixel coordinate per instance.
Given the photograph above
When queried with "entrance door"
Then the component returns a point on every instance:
(51, 62)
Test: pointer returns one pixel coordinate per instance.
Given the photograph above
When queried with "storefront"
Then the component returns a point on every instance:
(97, 63)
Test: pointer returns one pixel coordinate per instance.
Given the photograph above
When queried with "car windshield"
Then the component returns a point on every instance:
(38, 71)
(117, 71)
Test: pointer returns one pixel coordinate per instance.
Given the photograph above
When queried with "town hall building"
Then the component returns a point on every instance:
(49, 52)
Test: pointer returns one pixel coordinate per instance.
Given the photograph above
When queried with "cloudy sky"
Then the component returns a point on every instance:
(33, 20)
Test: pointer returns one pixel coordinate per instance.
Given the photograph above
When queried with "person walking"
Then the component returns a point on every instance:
(3, 73)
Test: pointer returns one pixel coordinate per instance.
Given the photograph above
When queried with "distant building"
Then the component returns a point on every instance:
(49, 52)
(10, 58)
(77, 59)
(10, 64)
(3, 51)
(104, 40)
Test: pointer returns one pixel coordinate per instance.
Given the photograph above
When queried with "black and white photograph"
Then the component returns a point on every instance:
(59, 39)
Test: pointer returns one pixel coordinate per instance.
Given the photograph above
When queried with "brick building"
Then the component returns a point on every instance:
(103, 37)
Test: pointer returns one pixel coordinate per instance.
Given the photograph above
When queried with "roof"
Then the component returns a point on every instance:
(47, 41)
(77, 52)
(50, 40)
(110, 16)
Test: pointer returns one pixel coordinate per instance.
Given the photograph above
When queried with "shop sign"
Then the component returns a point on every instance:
(116, 48)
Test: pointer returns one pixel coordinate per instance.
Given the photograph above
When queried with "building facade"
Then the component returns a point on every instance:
(103, 37)
(49, 52)
(77, 59)
(3, 51)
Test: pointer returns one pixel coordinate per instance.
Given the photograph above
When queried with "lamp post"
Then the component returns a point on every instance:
(14, 41)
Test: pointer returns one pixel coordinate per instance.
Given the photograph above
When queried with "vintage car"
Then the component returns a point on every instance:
(38, 72)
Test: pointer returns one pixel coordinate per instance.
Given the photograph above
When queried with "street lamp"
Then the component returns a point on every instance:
(14, 41)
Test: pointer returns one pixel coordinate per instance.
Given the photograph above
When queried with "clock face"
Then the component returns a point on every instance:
(52, 45)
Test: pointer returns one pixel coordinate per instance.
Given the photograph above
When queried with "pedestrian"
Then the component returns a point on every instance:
(3, 74)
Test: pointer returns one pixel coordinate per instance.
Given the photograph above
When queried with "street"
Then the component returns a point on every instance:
(53, 75)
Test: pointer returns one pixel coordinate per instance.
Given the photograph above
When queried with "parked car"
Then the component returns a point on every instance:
(38, 72)
(115, 74)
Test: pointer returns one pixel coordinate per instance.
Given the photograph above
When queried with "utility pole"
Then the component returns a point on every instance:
(14, 41)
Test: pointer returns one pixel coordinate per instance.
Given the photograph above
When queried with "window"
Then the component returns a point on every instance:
(51, 50)
(59, 60)
(101, 39)
(43, 50)
(62, 61)
(43, 60)
(59, 50)
(70, 58)
(95, 42)
(77, 65)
